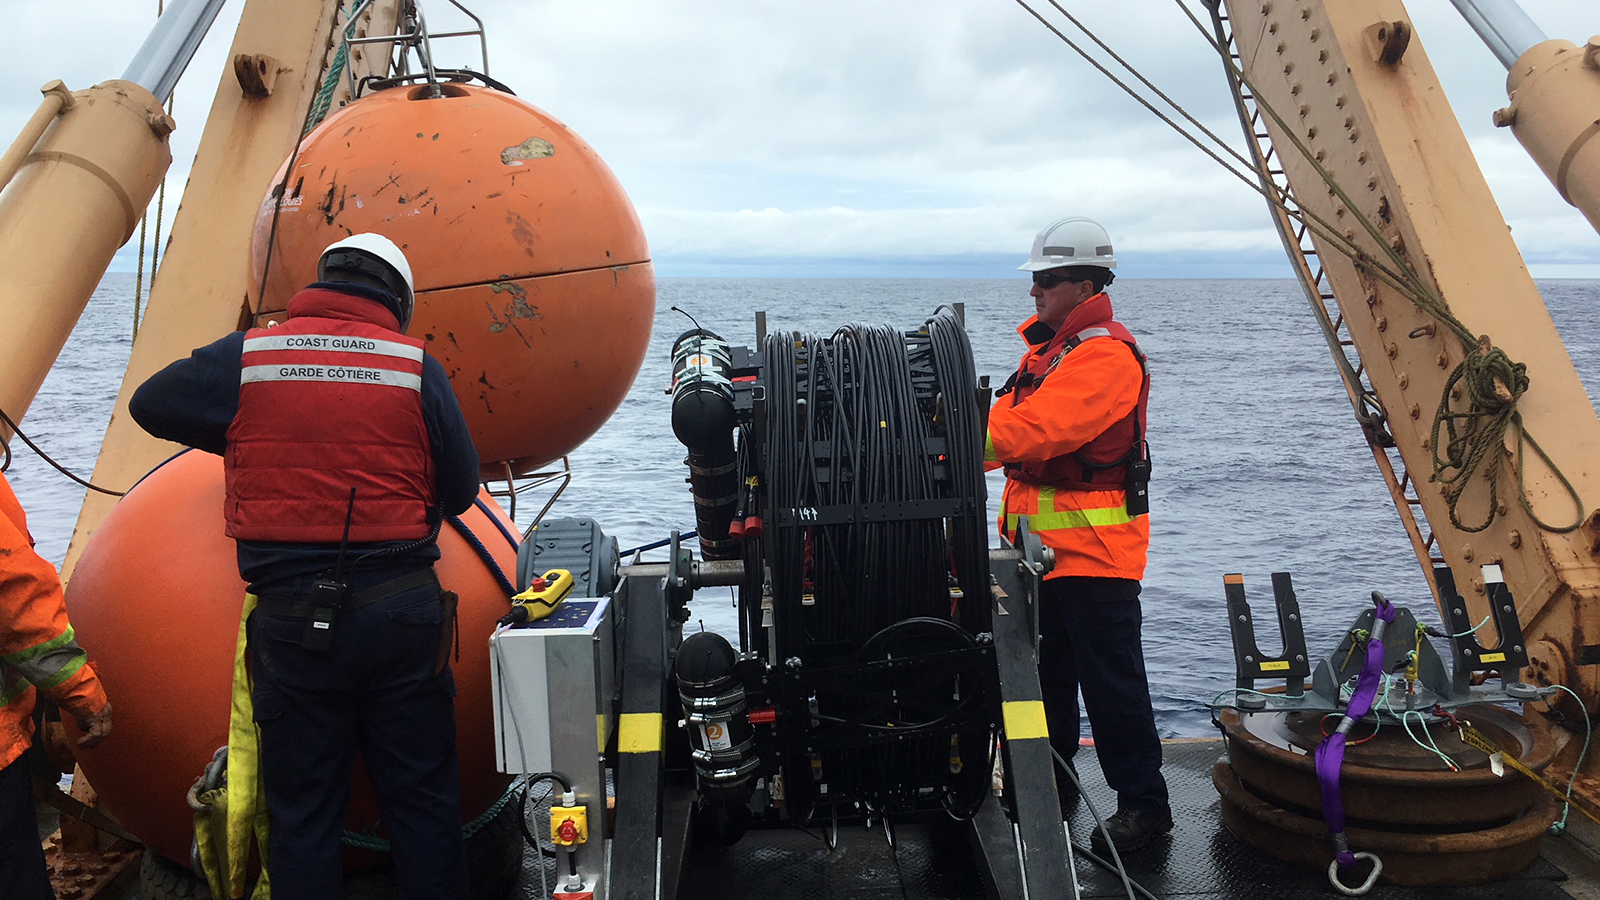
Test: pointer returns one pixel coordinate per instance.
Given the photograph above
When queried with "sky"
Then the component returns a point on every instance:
(892, 138)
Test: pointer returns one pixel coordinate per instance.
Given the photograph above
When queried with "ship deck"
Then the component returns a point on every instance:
(1200, 860)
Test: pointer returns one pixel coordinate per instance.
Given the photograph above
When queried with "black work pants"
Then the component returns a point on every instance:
(22, 875)
(375, 692)
(1090, 642)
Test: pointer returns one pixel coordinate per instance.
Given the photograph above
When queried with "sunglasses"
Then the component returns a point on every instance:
(1047, 281)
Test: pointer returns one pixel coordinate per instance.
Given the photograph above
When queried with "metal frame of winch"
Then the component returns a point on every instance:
(627, 624)
(620, 649)
(1025, 847)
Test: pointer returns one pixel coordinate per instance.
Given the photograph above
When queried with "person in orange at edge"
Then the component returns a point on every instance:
(37, 653)
(1069, 428)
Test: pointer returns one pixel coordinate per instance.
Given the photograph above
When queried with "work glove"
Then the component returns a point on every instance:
(95, 727)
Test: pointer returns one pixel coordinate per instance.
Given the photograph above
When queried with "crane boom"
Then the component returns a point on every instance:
(279, 55)
(1354, 127)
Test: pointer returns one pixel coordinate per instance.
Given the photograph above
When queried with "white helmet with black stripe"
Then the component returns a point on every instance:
(1070, 242)
(378, 258)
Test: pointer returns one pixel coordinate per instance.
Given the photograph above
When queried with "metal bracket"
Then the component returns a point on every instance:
(1249, 662)
(679, 585)
(418, 40)
(1345, 663)
(531, 481)
(1031, 567)
(1433, 684)
(1508, 657)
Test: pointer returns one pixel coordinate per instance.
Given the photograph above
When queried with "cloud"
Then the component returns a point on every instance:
(874, 132)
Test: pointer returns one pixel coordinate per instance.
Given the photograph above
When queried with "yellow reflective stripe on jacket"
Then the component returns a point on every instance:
(1049, 519)
(15, 691)
(50, 663)
(66, 638)
(989, 455)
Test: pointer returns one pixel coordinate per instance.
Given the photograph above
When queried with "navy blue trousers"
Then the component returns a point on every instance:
(374, 692)
(1090, 643)
(22, 875)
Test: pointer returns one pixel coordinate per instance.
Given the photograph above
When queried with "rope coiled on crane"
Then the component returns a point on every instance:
(1493, 384)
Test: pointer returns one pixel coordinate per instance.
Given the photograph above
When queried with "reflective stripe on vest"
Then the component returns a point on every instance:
(1072, 343)
(331, 374)
(1049, 519)
(296, 344)
(343, 343)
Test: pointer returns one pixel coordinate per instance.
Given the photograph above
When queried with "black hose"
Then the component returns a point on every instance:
(527, 789)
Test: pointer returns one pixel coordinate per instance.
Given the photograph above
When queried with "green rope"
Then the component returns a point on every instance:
(138, 279)
(319, 106)
(1493, 385)
(366, 840)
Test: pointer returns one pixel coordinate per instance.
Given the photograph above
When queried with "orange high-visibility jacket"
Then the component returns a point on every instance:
(37, 648)
(1089, 390)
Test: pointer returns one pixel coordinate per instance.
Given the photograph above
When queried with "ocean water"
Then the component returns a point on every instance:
(1259, 465)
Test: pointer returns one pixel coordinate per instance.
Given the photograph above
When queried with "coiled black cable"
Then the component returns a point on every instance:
(869, 416)
(866, 422)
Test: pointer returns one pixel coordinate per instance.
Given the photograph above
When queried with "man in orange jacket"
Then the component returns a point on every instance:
(1069, 428)
(37, 653)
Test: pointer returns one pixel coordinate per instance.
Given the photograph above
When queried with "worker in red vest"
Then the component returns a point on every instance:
(344, 448)
(1069, 427)
(38, 653)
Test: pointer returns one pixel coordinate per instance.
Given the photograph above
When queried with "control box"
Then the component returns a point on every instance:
(553, 680)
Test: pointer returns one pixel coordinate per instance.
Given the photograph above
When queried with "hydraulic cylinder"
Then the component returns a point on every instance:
(1555, 113)
(76, 198)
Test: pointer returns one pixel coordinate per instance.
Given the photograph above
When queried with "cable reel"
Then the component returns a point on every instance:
(869, 674)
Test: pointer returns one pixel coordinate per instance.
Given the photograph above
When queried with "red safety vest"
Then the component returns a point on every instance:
(329, 400)
(1100, 462)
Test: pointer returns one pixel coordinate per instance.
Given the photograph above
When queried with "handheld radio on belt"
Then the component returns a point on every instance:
(329, 594)
(1138, 483)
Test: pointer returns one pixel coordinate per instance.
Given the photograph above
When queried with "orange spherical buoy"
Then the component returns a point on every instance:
(156, 600)
(533, 281)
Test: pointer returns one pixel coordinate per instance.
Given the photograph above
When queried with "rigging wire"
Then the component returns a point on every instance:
(46, 457)
(1274, 196)
(1146, 82)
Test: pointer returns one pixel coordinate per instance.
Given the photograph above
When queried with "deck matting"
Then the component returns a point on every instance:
(1200, 860)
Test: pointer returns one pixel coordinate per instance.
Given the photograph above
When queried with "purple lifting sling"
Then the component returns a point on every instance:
(1329, 754)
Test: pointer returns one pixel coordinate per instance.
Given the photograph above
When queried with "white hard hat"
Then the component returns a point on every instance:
(375, 255)
(1070, 242)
